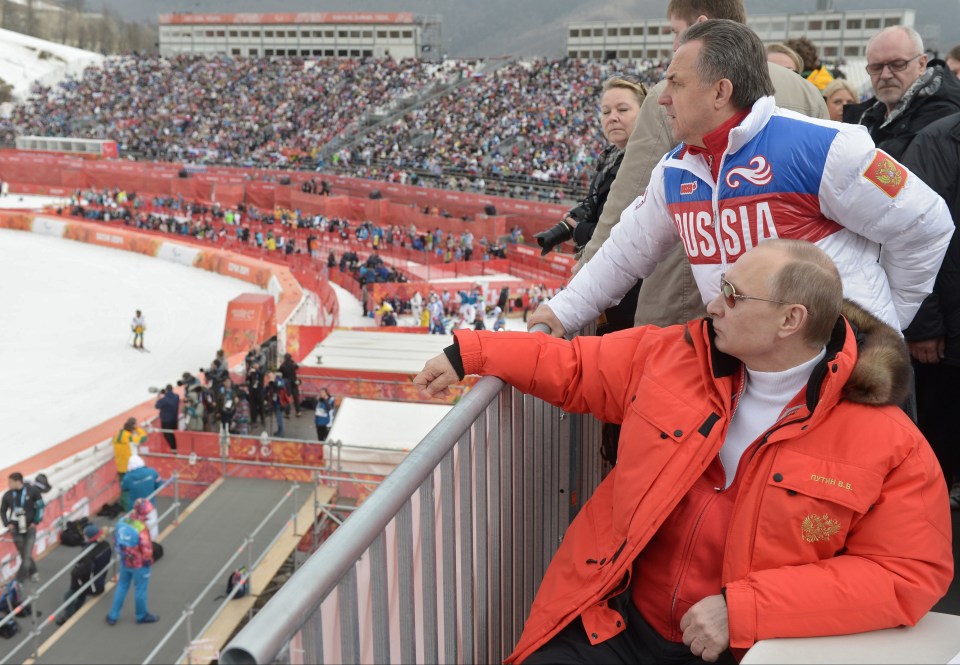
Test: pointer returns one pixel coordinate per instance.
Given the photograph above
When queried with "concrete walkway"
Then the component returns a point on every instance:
(195, 551)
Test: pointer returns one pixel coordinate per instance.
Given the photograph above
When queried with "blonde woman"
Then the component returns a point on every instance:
(837, 94)
(619, 106)
(783, 55)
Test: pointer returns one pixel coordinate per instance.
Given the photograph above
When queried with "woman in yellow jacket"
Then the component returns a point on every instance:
(125, 443)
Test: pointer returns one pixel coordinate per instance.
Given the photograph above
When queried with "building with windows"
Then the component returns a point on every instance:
(318, 34)
(839, 34)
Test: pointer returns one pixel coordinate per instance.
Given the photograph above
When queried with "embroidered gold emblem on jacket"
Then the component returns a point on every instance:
(815, 528)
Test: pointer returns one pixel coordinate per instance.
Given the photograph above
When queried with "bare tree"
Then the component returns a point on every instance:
(105, 35)
(31, 25)
(11, 16)
(83, 35)
(63, 26)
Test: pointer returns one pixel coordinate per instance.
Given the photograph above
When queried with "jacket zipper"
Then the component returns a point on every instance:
(683, 568)
(715, 200)
(763, 442)
(735, 402)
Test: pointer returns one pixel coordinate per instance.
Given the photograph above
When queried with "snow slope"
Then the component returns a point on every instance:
(65, 334)
(21, 65)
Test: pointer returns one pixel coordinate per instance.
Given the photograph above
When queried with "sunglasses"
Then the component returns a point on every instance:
(731, 296)
(895, 66)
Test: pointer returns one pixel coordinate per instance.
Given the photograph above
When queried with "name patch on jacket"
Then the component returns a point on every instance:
(886, 173)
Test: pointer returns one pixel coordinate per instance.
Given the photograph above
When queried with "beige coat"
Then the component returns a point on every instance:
(670, 294)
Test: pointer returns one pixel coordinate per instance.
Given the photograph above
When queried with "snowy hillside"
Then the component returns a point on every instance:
(25, 59)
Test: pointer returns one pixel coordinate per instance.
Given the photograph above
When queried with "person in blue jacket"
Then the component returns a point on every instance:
(323, 414)
(169, 407)
(140, 482)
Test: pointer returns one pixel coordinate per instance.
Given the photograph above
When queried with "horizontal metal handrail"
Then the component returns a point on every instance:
(247, 543)
(266, 634)
(35, 595)
(275, 465)
(264, 638)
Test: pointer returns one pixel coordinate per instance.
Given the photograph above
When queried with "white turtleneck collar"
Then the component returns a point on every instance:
(762, 401)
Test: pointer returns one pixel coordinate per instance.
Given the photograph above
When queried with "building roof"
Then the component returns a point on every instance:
(286, 18)
(382, 352)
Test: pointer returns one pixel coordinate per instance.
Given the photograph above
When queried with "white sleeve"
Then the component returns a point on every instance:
(645, 235)
(873, 195)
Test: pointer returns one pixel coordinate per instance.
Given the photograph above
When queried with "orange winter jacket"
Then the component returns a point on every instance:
(841, 523)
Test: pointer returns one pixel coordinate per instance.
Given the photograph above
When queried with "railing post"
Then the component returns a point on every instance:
(224, 448)
(316, 510)
(248, 543)
(189, 613)
(176, 498)
(35, 631)
(63, 509)
(294, 489)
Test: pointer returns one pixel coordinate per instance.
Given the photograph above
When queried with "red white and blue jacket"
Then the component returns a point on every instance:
(782, 175)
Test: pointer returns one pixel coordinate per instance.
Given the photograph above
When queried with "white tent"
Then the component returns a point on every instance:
(378, 434)
(366, 350)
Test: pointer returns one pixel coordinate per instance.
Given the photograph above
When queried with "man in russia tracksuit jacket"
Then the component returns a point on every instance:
(745, 172)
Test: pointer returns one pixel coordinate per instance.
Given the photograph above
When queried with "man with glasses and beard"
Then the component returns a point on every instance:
(767, 486)
(911, 91)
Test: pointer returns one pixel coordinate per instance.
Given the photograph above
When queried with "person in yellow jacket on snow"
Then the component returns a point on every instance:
(138, 325)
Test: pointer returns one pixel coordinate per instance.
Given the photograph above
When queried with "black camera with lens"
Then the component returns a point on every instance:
(555, 235)
(188, 380)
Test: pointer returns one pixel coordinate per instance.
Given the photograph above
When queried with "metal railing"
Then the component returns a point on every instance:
(186, 616)
(38, 625)
(442, 561)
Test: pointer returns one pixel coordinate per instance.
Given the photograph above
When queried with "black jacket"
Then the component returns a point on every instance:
(92, 563)
(934, 156)
(288, 369)
(587, 212)
(13, 499)
(936, 99)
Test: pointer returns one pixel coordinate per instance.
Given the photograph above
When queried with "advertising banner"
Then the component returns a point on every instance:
(251, 320)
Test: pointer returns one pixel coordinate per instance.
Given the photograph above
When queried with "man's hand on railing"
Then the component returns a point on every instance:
(546, 316)
(436, 377)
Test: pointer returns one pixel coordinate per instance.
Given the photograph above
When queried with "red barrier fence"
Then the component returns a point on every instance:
(61, 175)
(250, 457)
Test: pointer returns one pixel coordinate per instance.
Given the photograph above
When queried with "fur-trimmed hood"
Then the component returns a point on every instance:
(882, 373)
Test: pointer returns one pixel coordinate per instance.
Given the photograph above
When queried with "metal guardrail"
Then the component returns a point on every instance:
(34, 596)
(453, 543)
(187, 615)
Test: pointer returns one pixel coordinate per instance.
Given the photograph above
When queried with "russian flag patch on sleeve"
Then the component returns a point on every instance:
(887, 174)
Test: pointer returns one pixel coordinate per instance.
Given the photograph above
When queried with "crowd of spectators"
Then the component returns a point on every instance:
(528, 122)
(507, 130)
(220, 110)
(273, 230)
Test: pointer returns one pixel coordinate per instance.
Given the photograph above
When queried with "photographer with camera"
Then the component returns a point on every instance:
(217, 373)
(19, 513)
(188, 381)
(226, 396)
(277, 398)
(254, 382)
(193, 409)
(169, 407)
(619, 108)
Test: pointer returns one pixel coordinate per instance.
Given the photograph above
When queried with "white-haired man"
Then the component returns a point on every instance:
(911, 91)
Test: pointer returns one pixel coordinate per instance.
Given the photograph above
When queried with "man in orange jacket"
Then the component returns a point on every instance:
(767, 485)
